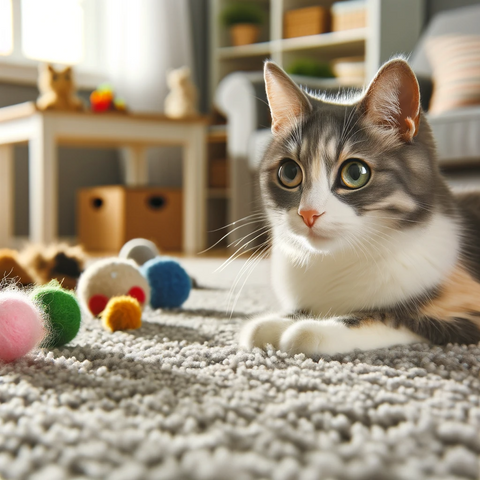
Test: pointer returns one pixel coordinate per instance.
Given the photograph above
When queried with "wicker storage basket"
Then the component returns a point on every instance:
(349, 15)
(306, 21)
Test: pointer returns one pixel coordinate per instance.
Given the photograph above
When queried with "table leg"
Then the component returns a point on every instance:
(136, 165)
(194, 191)
(6, 195)
(43, 167)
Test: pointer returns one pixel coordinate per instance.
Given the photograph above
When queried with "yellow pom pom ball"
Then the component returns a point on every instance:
(122, 313)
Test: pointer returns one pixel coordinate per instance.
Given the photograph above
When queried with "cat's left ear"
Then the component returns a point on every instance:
(393, 99)
(288, 104)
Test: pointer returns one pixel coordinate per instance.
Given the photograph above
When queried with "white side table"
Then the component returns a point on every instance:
(44, 131)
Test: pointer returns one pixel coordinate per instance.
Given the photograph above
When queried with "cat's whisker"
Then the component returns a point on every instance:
(383, 241)
(344, 120)
(254, 263)
(347, 130)
(352, 144)
(346, 137)
(227, 234)
(377, 230)
(261, 100)
(366, 253)
(240, 251)
(347, 126)
(238, 242)
(260, 215)
(243, 269)
(350, 244)
(375, 247)
(392, 217)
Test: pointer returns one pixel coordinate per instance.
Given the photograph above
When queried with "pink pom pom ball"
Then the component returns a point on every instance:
(21, 326)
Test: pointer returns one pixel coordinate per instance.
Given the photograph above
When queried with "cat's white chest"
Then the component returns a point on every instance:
(348, 282)
(325, 286)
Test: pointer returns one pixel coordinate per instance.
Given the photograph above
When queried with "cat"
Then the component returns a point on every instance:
(370, 248)
(57, 90)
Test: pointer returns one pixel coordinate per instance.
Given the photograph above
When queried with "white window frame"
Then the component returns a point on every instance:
(16, 68)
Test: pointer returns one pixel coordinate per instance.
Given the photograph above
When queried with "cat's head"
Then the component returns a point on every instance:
(347, 172)
(60, 81)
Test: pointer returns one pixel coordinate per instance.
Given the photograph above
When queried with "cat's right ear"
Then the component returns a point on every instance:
(288, 104)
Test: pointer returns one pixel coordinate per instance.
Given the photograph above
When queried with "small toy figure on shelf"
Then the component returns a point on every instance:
(57, 90)
(181, 102)
(103, 99)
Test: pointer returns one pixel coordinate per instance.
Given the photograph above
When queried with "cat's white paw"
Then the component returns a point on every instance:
(332, 336)
(312, 337)
(263, 331)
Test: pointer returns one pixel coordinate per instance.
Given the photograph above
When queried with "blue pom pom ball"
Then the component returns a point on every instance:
(169, 282)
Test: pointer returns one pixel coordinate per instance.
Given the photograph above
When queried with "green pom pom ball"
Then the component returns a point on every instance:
(62, 314)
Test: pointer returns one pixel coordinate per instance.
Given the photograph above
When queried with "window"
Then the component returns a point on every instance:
(6, 30)
(53, 30)
(34, 31)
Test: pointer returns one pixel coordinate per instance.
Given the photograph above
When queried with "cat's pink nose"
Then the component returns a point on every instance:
(310, 216)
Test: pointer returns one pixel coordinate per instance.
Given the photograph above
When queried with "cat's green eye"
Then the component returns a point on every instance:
(290, 174)
(354, 174)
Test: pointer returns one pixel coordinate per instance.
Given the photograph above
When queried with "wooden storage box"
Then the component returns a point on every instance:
(350, 71)
(349, 15)
(107, 217)
(218, 173)
(305, 21)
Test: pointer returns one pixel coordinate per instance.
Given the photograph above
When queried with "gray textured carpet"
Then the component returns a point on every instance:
(177, 400)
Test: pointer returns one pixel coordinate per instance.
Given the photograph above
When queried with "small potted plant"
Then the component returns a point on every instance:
(244, 20)
(308, 67)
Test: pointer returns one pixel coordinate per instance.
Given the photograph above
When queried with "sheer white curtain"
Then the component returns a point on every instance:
(143, 40)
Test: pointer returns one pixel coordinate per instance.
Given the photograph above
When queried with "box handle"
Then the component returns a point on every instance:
(156, 202)
(97, 203)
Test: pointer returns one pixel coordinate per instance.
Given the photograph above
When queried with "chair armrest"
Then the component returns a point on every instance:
(236, 98)
(426, 89)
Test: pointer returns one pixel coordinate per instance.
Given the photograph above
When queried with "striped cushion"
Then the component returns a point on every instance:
(455, 61)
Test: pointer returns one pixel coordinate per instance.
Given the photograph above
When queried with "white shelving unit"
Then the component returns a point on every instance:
(393, 26)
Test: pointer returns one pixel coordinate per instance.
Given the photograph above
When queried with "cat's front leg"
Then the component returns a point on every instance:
(263, 331)
(343, 335)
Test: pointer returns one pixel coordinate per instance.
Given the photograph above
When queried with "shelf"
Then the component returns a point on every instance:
(245, 51)
(334, 44)
(217, 134)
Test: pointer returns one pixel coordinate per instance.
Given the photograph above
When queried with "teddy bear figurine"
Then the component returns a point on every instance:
(57, 90)
(181, 102)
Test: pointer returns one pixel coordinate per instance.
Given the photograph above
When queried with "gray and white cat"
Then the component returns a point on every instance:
(370, 248)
